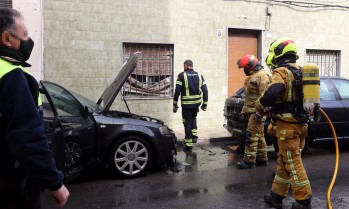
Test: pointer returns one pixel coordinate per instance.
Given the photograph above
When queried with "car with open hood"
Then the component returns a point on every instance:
(84, 134)
(334, 101)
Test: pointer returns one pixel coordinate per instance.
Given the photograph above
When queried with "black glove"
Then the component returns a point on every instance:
(258, 117)
(203, 107)
(175, 108)
(243, 116)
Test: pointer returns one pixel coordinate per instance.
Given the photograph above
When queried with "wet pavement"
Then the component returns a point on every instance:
(207, 178)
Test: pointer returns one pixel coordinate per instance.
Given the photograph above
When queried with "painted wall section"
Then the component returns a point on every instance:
(83, 40)
(31, 10)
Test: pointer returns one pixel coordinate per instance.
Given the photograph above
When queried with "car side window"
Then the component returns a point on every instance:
(342, 87)
(63, 101)
(47, 110)
(325, 91)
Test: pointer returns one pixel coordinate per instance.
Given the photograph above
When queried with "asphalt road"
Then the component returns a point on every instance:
(207, 178)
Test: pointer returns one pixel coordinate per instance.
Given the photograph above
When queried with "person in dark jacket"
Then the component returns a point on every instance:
(193, 90)
(26, 161)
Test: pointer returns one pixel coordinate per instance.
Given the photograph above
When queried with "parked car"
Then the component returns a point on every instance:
(85, 134)
(334, 100)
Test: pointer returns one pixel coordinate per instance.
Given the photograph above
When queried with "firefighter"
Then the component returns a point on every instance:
(284, 95)
(193, 90)
(255, 83)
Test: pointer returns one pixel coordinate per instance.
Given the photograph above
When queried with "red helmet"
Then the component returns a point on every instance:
(247, 62)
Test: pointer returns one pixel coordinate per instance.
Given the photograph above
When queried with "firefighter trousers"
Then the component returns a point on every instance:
(255, 145)
(290, 172)
(190, 126)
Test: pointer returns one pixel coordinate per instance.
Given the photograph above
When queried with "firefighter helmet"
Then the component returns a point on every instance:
(282, 47)
(270, 60)
(247, 62)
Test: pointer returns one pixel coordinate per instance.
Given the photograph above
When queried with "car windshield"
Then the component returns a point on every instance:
(240, 93)
(86, 102)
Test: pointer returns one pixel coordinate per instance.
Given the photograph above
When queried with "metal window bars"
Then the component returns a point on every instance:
(153, 76)
(327, 60)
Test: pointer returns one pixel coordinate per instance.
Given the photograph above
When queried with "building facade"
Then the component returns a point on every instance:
(81, 44)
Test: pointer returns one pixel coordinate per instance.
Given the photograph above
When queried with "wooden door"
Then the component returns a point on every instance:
(240, 42)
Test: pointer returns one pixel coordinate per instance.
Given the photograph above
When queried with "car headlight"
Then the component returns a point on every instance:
(164, 130)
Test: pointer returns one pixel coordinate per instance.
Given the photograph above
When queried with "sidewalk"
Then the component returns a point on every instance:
(207, 135)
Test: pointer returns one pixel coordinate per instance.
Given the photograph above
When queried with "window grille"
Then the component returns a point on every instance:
(153, 76)
(327, 60)
(6, 3)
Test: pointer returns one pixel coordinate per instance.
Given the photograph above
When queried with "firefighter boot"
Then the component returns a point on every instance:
(187, 148)
(245, 165)
(261, 162)
(195, 139)
(302, 204)
(274, 199)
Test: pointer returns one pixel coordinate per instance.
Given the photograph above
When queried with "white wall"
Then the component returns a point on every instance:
(83, 39)
(32, 13)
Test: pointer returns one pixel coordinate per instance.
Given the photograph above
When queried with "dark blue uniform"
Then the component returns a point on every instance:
(24, 150)
(193, 90)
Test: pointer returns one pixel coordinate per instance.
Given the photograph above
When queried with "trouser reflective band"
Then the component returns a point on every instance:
(290, 171)
(188, 142)
(195, 133)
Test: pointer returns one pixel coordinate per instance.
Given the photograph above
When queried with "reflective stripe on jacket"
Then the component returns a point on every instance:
(192, 88)
(6, 67)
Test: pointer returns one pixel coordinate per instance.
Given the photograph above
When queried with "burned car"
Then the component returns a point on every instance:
(334, 100)
(85, 134)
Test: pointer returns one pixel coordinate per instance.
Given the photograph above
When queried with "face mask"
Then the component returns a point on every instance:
(25, 48)
(246, 71)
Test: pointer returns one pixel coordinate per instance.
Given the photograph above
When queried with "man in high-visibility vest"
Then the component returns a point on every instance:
(192, 88)
(26, 161)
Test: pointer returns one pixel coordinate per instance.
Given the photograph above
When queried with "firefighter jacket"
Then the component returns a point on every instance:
(22, 134)
(254, 86)
(192, 88)
(280, 94)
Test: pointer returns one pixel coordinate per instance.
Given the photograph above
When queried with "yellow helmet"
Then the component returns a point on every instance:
(282, 47)
(270, 60)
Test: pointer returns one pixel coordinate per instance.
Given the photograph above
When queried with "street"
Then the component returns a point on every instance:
(207, 178)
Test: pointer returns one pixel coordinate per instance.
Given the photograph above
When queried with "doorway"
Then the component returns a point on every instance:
(241, 42)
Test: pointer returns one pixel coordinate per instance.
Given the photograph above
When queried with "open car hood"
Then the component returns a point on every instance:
(108, 96)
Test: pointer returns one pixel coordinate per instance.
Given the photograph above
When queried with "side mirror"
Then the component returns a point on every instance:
(88, 111)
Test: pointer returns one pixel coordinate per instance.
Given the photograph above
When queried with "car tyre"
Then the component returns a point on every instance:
(130, 157)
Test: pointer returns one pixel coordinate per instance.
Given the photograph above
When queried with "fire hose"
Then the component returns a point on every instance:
(329, 204)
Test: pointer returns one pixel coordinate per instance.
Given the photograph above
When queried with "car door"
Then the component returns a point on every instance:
(331, 104)
(342, 87)
(54, 132)
(78, 129)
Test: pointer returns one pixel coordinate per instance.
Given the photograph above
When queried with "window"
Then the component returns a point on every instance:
(63, 101)
(6, 3)
(153, 76)
(326, 93)
(342, 88)
(327, 60)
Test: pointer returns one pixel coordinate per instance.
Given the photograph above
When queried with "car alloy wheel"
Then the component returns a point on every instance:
(130, 157)
(72, 153)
